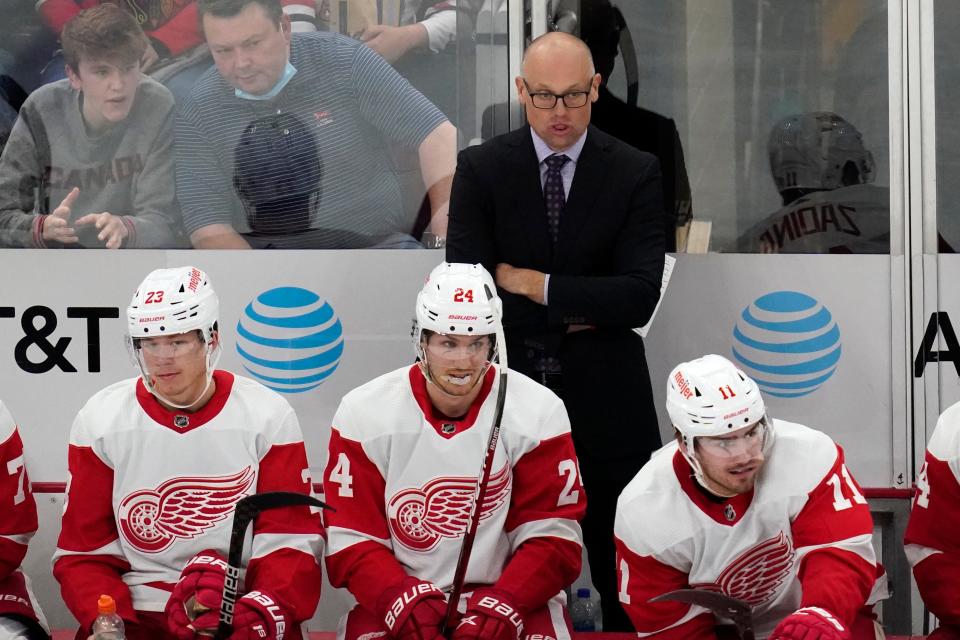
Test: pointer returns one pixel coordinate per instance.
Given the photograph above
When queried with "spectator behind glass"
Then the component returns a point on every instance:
(281, 145)
(174, 54)
(600, 27)
(823, 172)
(89, 162)
(425, 41)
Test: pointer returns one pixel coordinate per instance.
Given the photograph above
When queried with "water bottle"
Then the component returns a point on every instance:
(108, 625)
(585, 612)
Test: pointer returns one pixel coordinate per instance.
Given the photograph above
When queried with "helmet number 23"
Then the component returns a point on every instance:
(153, 296)
(459, 295)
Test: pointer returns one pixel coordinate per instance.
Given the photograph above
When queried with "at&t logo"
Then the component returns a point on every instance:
(788, 343)
(290, 339)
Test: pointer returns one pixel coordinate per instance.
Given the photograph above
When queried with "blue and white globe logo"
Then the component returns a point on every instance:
(290, 339)
(788, 343)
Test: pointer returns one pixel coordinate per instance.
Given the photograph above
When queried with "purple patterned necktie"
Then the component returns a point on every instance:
(553, 192)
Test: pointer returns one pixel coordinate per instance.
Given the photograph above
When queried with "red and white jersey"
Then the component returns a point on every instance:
(931, 542)
(403, 478)
(150, 488)
(18, 513)
(854, 219)
(802, 537)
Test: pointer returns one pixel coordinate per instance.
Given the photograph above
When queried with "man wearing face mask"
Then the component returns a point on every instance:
(405, 453)
(761, 510)
(157, 464)
(282, 145)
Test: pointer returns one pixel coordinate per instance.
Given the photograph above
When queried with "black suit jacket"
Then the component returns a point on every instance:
(605, 271)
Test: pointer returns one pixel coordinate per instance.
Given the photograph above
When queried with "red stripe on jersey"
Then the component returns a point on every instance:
(88, 522)
(934, 523)
(167, 418)
(291, 575)
(437, 419)
(83, 578)
(16, 503)
(835, 510)
(938, 577)
(935, 518)
(539, 569)
(366, 569)
(712, 506)
(354, 487)
(546, 484)
(837, 580)
(643, 577)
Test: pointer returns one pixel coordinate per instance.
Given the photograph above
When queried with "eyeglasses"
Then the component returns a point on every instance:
(547, 100)
(452, 350)
(171, 348)
(731, 446)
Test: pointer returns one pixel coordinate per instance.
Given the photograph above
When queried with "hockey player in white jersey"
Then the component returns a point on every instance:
(824, 173)
(404, 457)
(758, 509)
(157, 464)
(20, 614)
(932, 544)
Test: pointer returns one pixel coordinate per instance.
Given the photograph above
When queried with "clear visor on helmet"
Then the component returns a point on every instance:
(749, 440)
(455, 347)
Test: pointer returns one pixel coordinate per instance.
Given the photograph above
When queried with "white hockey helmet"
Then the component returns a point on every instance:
(814, 151)
(458, 299)
(171, 301)
(711, 397)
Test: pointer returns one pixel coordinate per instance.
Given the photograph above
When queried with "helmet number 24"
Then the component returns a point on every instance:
(459, 295)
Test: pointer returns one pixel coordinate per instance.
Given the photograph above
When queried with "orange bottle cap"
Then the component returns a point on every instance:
(106, 605)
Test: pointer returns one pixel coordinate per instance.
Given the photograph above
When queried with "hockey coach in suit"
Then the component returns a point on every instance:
(570, 221)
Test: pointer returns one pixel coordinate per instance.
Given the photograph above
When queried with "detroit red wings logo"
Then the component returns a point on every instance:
(419, 518)
(758, 573)
(180, 508)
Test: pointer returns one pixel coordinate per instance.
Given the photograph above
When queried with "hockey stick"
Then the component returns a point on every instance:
(246, 510)
(719, 603)
(461, 571)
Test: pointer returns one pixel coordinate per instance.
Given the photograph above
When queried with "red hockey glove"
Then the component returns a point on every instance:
(413, 610)
(257, 616)
(194, 604)
(490, 615)
(810, 623)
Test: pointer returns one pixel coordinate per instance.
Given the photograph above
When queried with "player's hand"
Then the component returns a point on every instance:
(149, 58)
(258, 615)
(111, 228)
(413, 610)
(393, 42)
(56, 226)
(810, 623)
(193, 609)
(490, 615)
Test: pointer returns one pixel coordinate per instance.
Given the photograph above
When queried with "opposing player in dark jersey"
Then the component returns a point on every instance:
(404, 458)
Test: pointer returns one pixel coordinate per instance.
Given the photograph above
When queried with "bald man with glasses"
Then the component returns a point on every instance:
(570, 221)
